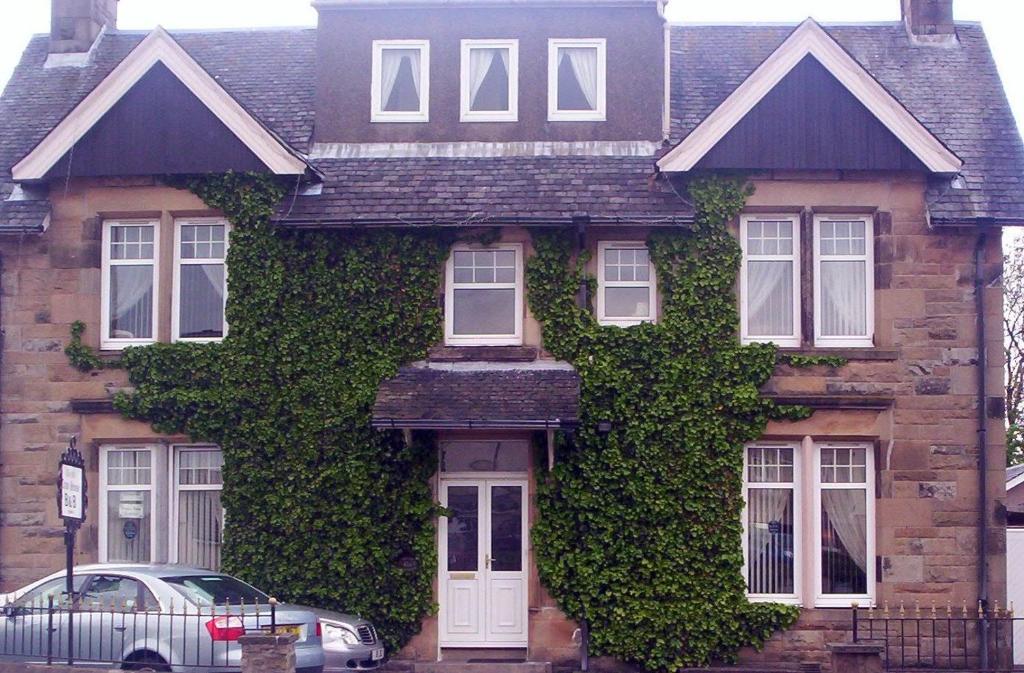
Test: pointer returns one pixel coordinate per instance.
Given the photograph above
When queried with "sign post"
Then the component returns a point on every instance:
(72, 501)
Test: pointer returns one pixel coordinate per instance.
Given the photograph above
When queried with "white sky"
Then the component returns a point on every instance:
(1003, 21)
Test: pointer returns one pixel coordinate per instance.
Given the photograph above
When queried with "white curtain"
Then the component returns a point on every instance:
(480, 61)
(390, 62)
(769, 567)
(414, 65)
(843, 298)
(847, 513)
(584, 66)
(769, 298)
(131, 301)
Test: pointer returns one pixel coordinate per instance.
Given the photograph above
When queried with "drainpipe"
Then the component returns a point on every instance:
(979, 304)
(581, 222)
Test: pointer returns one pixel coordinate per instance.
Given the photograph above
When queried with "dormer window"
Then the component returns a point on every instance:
(576, 80)
(401, 81)
(490, 81)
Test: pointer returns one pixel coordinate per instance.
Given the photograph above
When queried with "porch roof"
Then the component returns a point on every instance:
(479, 395)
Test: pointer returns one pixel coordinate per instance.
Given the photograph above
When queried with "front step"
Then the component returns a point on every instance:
(482, 667)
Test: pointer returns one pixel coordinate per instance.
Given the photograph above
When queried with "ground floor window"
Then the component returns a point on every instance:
(809, 522)
(161, 503)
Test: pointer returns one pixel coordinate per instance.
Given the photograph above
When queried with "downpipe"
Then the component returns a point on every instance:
(982, 364)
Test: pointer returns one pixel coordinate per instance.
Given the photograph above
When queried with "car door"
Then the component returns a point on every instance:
(110, 617)
(29, 631)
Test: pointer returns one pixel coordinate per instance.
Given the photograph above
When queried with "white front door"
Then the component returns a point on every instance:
(483, 588)
(1015, 587)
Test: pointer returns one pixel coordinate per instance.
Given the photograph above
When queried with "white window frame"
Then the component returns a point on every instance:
(106, 341)
(867, 340)
(175, 488)
(515, 339)
(377, 111)
(786, 341)
(176, 285)
(600, 114)
(151, 488)
(510, 115)
(821, 599)
(794, 598)
(651, 284)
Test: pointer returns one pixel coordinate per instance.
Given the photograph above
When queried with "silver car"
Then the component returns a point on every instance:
(150, 617)
(350, 643)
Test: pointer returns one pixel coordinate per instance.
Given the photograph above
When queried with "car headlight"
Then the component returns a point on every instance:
(334, 633)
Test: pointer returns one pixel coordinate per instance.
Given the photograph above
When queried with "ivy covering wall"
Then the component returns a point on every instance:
(639, 530)
(322, 509)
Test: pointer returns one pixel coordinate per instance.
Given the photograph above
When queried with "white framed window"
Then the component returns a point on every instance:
(196, 514)
(200, 292)
(844, 516)
(490, 81)
(770, 279)
(400, 81)
(484, 295)
(127, 530)
(128, 306)
(626, 284)
(844, 281)
(772, 549)
(577, 79)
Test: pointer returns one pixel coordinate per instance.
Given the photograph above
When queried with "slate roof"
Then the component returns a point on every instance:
(1014, 471)
(955, 92)
(422, 397)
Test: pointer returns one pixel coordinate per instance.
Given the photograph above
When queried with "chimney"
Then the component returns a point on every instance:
(75, 24)
(929, 21)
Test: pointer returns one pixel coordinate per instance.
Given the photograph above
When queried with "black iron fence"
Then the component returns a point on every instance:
(944, 638)
(154, 637)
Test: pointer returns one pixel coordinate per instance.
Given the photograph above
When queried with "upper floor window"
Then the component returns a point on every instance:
(400, 81)
(128, 277)
(770, 279)
(490, 80)
(200, 280)
(576, 80)
(626, 286)
(484, 295)
(843, 281)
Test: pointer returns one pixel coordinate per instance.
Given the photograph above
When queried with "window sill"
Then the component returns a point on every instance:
(848, 353)
(452, 353)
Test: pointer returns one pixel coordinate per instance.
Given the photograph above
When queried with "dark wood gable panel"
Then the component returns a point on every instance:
(810, 121)
(158, 127)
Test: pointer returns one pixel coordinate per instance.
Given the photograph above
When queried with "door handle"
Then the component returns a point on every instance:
(487, 561)
(120, 629)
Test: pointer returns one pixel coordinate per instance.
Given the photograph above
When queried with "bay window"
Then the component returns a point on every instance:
(843, 281)
(161, 504)
(770, 279)
(400, 81)
(626, 286)
(576, 80)
(829, 562)
(484, 295)
(128, 309)
(200, 280)
(490, 80)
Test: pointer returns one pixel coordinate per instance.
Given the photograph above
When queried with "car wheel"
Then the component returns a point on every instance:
(146, 661)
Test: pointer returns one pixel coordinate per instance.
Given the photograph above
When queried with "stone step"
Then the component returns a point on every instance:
(496, 666)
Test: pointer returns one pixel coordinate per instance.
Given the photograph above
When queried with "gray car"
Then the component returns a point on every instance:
(350, 643)
(150, 617)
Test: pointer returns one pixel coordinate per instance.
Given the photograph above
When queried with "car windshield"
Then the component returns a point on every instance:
(215, 589)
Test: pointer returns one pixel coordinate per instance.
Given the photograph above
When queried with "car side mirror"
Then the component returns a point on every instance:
(10, 611)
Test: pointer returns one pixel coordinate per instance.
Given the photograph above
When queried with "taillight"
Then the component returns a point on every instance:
(226, 627)
(319, 629)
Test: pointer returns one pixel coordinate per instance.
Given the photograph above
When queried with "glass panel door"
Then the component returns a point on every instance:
(462, 576)
(463, 528)
(506, 528)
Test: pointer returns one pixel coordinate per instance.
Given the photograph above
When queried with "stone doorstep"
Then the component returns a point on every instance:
(481, 667)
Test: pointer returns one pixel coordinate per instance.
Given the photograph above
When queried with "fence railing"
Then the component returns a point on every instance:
(941, 638)
(179, 634)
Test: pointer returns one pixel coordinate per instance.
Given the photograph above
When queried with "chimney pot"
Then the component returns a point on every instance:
(929, 19)
(75, 24)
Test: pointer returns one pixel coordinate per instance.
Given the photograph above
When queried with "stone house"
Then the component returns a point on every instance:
(885, 160)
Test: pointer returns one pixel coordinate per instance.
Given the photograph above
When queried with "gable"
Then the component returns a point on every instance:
(157, 49)
(810, 39)
(158, 127)
(810, 121)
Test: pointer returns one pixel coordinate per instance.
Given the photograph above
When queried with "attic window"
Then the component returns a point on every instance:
(576, 80)
(490, 82)
(401, 81)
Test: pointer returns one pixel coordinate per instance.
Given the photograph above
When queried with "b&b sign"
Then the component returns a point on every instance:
(72, 489)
